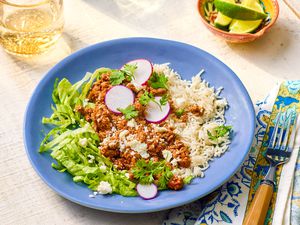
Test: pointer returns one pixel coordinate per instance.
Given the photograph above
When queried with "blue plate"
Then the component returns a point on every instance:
(185, 59)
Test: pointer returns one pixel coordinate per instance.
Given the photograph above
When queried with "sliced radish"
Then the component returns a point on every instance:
(118, 97)
(155, 113)
(147, 191)
(143, 71)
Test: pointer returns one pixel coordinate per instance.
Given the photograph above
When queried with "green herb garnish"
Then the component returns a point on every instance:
(147, 172)
(129, 112)
(126, 73)
(219, 131)
(146, 97)
(179, 112)
(129, 70)
(158, 81)
(116, 77)
(164, 99)
(188, 179)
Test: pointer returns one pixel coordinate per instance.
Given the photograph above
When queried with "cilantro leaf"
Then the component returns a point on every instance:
(188, 179)
(129, 112)
(146, 97)
(148, 172)
(126, 73)
(179, 112)
(164, 99)
(219, 131)
(158, 81)
(129, 70)
(116, 77)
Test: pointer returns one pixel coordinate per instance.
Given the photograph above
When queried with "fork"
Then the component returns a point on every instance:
(278, 152)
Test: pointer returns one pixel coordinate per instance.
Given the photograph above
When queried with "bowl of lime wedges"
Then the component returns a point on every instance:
(238, 21)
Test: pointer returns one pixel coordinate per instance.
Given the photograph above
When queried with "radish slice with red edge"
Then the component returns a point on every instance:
(156, 114)
(117, 97)
(147, 191)
(143, 71)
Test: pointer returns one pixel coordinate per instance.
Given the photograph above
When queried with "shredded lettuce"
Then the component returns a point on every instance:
(73, 142)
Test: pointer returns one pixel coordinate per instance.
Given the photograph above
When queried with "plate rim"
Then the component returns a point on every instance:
(75, 54)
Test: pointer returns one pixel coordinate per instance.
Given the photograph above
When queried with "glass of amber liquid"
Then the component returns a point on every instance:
(30, 27)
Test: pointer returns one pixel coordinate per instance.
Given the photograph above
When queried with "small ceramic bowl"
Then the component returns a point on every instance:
(271, 6)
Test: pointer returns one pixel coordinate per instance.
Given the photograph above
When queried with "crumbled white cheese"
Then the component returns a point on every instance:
(179, 102)
(123, 134)
(122, 147)
(131, 137)
(85, 102)
(104, 188)
(83, 142)
(167, 155)
(127, 175)
(174, 162)
(91, 158)
(139, 147)
(160, 129)
(132, 123)
(106, 140)
(103, 168)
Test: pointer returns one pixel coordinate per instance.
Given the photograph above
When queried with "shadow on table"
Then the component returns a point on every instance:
(274, 47)
(65, 46)
(94, 216)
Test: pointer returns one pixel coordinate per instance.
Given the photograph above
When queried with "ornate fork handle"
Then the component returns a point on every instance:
(278, 152)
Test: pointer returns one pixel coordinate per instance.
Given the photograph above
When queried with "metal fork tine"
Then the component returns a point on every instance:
(278, 143)
(293, 134)
(286, 136)
(274, 133)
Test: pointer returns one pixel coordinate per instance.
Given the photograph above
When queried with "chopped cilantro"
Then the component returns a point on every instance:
(188, 179)
(116, 77)
(128, 70)
(219, 131)
(126, 73)
(179, 112)
(164, 99)
(158, 81)
(146, 97)
(147, 172)
(129, 112)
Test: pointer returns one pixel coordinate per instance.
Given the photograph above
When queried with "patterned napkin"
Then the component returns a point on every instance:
(228, 204)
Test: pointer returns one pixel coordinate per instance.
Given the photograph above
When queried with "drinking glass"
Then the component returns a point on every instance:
(30, 27)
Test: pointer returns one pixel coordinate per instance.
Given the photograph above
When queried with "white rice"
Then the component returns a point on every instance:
(193, 133)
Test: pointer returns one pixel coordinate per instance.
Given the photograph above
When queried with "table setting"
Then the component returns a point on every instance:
(150, 112)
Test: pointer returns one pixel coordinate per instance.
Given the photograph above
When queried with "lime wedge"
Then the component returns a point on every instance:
(222, 21)
(238, 11)
(243, 26)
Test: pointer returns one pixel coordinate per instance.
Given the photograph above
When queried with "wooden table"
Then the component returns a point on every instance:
(24, 198)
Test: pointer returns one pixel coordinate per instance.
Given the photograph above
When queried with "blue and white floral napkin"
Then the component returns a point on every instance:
(227, 205)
